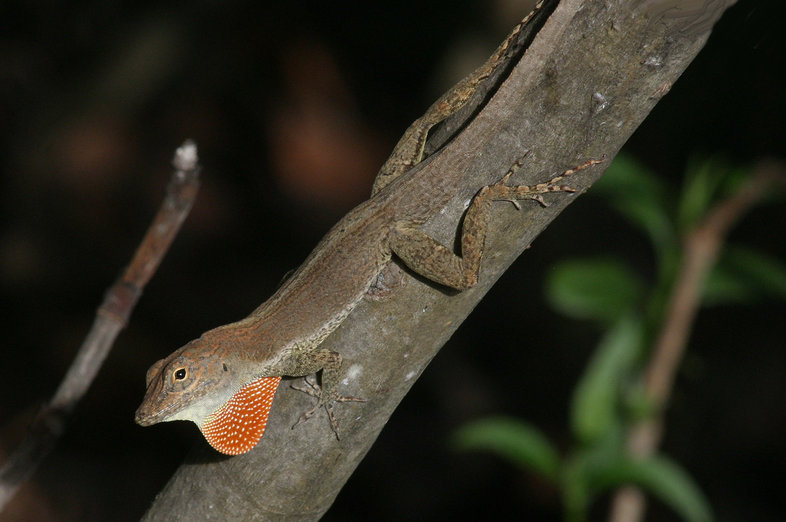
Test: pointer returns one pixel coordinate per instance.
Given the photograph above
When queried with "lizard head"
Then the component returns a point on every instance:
(196, 383)
(190, 384)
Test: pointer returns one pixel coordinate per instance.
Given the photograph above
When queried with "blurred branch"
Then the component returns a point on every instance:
(111, 317)
(700, 250)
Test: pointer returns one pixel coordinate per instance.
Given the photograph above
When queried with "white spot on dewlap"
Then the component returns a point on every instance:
(237, 426)
(409, 376)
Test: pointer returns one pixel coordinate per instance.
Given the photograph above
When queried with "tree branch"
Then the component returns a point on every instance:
(701, 248)
(111, 317)
(584, 83)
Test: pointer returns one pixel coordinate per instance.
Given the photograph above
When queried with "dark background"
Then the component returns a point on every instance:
(294, 107)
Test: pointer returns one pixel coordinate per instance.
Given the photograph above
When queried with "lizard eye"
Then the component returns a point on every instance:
(180, 374)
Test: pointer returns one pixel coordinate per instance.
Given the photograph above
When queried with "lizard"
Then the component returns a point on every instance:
(225, 381)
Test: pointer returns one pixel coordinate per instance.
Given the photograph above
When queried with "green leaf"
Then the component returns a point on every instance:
(515, 440)
(702, 178)
(707, 180)
(596, 400)
(580, 469)
(640, 197)
(576, 495)
(744, 275)
(661, 477)
(638, 405)
(593, 289)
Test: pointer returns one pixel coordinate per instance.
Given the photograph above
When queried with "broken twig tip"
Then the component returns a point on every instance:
(186, 157)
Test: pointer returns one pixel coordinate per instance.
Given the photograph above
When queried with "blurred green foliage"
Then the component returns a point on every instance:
(609, 399)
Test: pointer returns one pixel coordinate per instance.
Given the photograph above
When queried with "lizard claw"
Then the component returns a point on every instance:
(313, 388)
(305, 416)
(512, 170)
(513, 202)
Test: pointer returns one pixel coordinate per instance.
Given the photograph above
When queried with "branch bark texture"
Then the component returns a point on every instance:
(583, 84)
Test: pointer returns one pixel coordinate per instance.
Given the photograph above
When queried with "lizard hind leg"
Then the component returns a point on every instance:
(429, 258)
(499, 191)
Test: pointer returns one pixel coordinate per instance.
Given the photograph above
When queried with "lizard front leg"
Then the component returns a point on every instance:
(327, 395)
(429, 258)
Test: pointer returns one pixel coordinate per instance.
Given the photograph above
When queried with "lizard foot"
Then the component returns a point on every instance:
(500, 191)
(315, 390)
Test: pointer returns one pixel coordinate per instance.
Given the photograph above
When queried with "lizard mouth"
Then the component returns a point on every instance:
(142, 419)
(145, 418)
(147, 414)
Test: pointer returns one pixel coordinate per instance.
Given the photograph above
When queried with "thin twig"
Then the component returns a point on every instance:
(701, 248)
(111, 317)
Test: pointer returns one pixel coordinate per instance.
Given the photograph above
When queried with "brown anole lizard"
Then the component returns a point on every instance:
(225, 380)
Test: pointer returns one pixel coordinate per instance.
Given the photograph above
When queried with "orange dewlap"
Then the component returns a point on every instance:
(238, 425)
